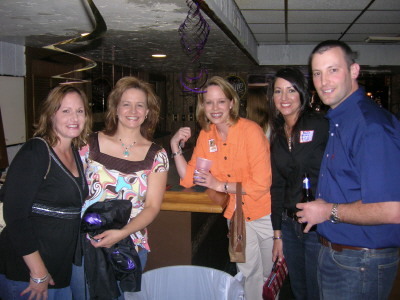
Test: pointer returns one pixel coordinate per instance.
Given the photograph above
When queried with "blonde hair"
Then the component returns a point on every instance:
(44, 127)
(229, 93)
(149, 125)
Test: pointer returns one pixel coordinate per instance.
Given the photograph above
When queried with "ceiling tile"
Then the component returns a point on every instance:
(386, 4)
(266, 38)
(264, 16)
(312, 38)
(330, 16)
(314, 28)
(375, 29)
(267, 28)
(325, 5)
(383, 17)
(260, 4)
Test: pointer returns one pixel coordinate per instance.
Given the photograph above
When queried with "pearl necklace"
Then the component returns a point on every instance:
(126, 152)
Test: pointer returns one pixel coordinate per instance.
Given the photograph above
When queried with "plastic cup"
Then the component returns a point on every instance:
(203, 164)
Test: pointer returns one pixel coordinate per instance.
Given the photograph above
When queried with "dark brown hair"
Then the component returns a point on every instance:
(300, 84)
(349, 54)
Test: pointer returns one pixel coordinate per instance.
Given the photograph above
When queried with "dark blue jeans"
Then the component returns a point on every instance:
(11, 290)
(301, 251)
(357, 274)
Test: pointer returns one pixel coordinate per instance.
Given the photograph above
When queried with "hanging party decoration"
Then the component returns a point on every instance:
(194, 33)
(99, 30)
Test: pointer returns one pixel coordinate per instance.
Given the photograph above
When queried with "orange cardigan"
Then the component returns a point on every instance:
(244, 157)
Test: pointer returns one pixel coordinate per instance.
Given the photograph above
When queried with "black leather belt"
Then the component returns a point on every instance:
(338, 247)
(291, 214)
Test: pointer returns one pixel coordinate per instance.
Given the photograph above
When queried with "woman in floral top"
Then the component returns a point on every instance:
(122, 163)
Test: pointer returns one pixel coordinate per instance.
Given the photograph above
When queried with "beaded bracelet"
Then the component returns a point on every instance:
(277, 238)
(40, 280)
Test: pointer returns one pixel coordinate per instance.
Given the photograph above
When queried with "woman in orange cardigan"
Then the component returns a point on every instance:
(239, 151)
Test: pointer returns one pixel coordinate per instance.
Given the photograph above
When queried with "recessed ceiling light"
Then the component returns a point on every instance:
(159, 55)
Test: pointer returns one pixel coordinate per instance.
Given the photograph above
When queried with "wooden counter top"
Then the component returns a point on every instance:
(189, 200)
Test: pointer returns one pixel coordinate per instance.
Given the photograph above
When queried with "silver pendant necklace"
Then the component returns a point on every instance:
(288, 137)
(126, 152)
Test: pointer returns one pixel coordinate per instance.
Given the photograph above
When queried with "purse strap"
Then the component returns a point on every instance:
(239, 209)
(239, 197)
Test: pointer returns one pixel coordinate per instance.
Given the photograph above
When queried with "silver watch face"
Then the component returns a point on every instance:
(333, 219)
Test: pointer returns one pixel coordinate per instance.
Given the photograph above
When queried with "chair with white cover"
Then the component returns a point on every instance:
(188, 282)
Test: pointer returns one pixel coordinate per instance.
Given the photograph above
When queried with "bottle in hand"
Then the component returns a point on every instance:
(307, 196)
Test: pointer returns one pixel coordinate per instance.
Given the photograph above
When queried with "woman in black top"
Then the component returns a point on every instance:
(43, 195)
(298, 140)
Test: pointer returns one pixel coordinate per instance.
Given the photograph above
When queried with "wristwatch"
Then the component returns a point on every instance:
(334, 217)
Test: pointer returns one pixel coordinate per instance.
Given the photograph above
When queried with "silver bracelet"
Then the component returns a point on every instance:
(179, 152)
(40, 280)
(277, 238)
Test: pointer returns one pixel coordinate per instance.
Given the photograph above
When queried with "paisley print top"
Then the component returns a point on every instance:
(112, 178)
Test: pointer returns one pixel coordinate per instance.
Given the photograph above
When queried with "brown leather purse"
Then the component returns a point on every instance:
(237, 230)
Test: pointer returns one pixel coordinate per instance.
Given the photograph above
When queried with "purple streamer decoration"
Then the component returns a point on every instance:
(193, 84)
(194, 33)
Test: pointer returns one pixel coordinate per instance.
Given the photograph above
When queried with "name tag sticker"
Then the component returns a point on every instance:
(306, 136)
(212, 145)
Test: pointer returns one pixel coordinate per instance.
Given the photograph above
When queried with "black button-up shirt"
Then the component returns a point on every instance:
(288, 167)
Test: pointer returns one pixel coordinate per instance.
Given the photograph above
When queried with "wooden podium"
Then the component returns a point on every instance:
(186, 221)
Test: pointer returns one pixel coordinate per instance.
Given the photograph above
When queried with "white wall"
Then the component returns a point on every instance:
(12, 103)
(12, 59)
(12, 63)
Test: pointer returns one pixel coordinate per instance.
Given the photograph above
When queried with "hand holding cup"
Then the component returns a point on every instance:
(203, 165)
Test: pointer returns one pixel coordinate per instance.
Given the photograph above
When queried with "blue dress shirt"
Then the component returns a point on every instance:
(361, 162)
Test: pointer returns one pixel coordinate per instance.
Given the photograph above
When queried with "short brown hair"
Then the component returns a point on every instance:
(349, 54)
(44, 127)
(149, 125)
(229, 92)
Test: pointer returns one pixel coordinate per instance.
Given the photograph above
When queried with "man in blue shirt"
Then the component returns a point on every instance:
(358, 205)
